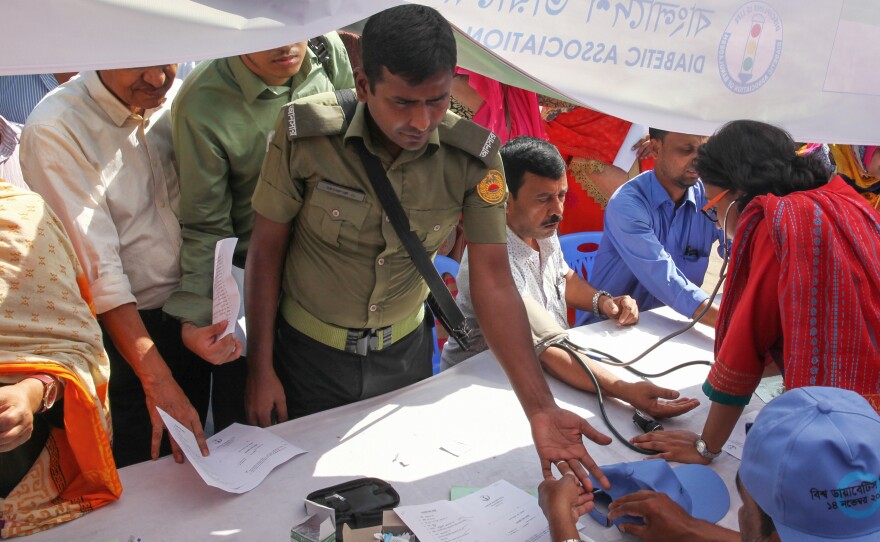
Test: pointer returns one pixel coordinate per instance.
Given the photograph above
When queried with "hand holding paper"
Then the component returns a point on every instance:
(241, 455)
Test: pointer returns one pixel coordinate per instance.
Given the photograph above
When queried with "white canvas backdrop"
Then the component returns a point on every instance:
(812, 67)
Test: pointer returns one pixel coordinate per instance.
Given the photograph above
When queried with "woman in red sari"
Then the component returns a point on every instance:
(803, 290)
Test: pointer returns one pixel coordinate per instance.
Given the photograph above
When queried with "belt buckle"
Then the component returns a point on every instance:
(366, 343)
(369, 340)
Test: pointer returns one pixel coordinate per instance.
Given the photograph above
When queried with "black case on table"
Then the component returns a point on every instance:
(359, 503)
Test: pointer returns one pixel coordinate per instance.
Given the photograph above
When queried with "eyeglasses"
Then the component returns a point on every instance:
(709, 209)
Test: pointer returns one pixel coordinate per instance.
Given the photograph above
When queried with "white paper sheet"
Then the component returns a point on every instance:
(770, 388)
(497, 512)
(241, 455)
(228, 287)
(734, 444)
(626, 157)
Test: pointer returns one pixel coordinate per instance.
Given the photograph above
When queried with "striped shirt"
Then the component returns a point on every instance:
(20, 93)
(10, 170)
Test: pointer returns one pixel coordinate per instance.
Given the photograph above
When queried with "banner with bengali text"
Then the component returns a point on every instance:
(811, 67)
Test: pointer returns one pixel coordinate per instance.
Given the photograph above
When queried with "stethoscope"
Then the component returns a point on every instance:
(577, 351)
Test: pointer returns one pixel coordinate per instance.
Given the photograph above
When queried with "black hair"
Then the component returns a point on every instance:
(412, 41)
(530, 154)
(657, 133)
(756, 158)
(767, 525)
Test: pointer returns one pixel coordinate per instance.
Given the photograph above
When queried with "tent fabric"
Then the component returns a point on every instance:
(680, 66)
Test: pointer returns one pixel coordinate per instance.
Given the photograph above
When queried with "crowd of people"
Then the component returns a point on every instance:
(120, 182)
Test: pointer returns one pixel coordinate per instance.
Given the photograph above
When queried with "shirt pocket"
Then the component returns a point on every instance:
(433, 226)
(337, 220)
(694, 263)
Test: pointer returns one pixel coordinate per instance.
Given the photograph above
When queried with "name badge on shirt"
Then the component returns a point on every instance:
(337, 190)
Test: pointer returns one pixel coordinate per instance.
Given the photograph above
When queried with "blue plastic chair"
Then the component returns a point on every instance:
(579, 251)
(444, 264)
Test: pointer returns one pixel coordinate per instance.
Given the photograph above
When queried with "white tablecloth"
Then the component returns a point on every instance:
(398, 437)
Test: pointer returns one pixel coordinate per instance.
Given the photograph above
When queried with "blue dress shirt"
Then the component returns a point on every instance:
(652, 251)
(20, 93)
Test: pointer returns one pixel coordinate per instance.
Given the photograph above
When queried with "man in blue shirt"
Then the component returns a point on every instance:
(19, 94)
(657, 241)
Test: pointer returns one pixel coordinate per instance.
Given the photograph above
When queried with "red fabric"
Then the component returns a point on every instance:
(508, 111)
(805, 274)
(584, 133)
(582, 212)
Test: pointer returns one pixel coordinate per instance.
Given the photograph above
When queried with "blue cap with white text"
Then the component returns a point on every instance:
(696, 488)
(811, 462)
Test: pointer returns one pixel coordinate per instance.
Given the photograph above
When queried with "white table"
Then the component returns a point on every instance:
(397, 437)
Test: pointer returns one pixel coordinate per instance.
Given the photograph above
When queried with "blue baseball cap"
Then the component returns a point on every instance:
(696, 488)
(811, 462)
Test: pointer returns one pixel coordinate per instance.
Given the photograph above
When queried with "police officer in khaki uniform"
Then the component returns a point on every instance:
(350, 322)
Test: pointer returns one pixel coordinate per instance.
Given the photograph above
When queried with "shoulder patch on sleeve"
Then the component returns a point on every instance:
(470, 137)
(316, 115)
(492, 188)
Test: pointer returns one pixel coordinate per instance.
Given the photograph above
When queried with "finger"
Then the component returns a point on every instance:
(593, 434)
(565, 469)
(156, 438)
(582, 509)
(593, 468)
(650, 437)
(217, 329)
(667, 393)
(636, 497)
(281, 408)
(175, 449)
(583, 474)
(264, 417)
(196, 428)
(668, 456)
(251, 415)
(634, 528)
(546, 471)
(15, 438)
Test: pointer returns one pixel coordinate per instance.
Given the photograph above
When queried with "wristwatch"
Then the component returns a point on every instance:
(703, 449)
(596, 297)
(50, 391)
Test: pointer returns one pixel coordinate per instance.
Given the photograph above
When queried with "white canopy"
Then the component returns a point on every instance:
(811, 67)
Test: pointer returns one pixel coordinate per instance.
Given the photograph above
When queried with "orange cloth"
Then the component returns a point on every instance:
(49, 327)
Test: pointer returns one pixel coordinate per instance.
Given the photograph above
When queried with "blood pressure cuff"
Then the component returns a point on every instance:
(545, 329)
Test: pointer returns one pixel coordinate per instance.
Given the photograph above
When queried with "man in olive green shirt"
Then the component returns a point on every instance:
(351, 319)
(221, 119)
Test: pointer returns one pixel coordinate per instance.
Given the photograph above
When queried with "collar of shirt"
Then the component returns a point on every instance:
(659, 196)
(252, 87)
(9, 138)
(49, 81)
(115, 109)
(360, 128)
(544, 245)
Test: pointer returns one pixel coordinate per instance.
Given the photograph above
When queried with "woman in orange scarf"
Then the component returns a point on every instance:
(55, 459)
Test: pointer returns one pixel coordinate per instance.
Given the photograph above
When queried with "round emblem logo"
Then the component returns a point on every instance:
(491, 189)
(750, 48)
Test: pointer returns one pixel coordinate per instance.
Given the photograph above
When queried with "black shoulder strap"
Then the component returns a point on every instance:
(319, 47)
(451, 316)
(347, 100)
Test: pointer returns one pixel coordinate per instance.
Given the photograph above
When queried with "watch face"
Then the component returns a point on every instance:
(701, 447)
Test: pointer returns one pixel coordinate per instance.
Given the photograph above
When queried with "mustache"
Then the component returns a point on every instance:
(554, 219)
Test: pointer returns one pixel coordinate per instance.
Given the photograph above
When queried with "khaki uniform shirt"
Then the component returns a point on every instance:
(221, 119)
(345, 264)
